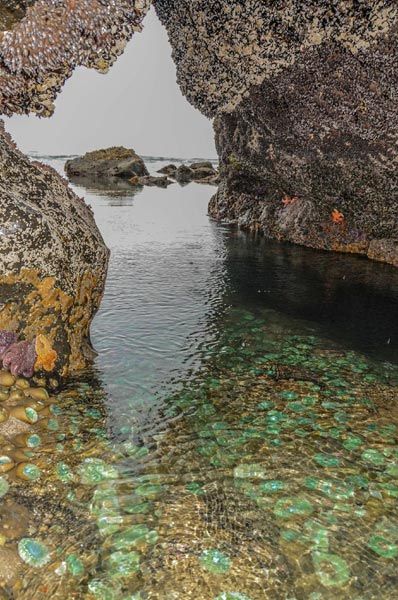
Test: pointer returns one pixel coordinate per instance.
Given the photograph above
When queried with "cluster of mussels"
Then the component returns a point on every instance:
(55, 36)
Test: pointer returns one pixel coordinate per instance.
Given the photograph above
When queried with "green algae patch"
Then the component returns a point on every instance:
(133, 536)
(195, 488)
(64, 473)
(331, 569)
(272, 486)
(383, 546)
(384, 540)
(249, 471)
(294, 506)
(149, 490)
(215, 561)
(74, 565)
(352, 443)
(232, 596)
(101, 590)
(123, 564)
(4, 486)
(94, 470)
(327, 460)
(33, 552)
(373, 456)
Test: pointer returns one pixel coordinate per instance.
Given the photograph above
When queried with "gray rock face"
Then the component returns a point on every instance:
(53, 261)
(110, 162)
(303, 95)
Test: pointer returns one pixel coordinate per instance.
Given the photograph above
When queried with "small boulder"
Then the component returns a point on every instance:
(110, 162)
(168, 170)
(151, 181)
(184, 174)
(203, 173)
(201, 165)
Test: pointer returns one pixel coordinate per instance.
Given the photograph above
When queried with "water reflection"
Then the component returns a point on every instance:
(239, 439)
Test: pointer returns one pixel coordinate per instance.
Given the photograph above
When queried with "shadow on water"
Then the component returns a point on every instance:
(348, 298)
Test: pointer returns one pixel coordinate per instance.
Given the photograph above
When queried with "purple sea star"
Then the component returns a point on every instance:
(20, 358)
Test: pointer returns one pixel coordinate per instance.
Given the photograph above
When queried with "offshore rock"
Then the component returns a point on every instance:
(42, 41)
(150, 181)
(109, 162)
(303, 95)
(53, 265)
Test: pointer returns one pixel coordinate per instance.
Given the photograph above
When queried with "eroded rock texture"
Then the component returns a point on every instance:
(304, 100)
(42, 41)
(53, 262)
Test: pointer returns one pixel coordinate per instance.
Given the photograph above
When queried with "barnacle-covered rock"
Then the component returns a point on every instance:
(44, 40)
(303, 95)
(53, 265)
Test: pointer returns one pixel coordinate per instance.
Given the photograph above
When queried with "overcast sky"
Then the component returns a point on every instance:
(137, 104)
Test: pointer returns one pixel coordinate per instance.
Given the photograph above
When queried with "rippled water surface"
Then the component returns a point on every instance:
(237, 438)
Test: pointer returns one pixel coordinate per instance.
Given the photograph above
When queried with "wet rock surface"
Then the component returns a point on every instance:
(109, 162)
(305, 120)
(53, 265)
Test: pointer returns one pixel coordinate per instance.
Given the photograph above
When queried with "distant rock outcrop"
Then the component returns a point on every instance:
(109, 162)
(198, 172)
(151, 181)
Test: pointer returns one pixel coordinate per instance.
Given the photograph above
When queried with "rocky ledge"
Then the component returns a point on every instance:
(53, 265)
(303, 95)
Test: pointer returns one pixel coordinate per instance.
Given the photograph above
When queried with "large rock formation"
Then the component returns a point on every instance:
(303, 95)
(53, 261)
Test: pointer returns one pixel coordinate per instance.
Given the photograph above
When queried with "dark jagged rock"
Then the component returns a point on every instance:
(53, 262)
(303, 95)
(168, 170)
(109, 162)
(183, 174)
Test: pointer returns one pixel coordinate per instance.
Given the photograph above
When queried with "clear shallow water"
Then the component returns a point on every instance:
(245, 410)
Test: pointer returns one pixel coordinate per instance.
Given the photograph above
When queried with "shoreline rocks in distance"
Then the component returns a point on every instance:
(199, 172)
(151, 181)
(109, 162)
